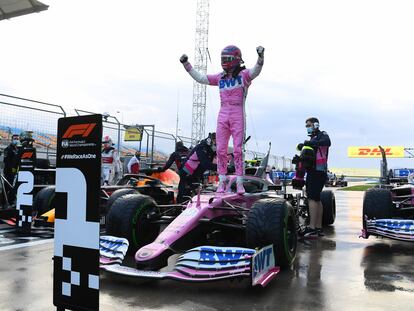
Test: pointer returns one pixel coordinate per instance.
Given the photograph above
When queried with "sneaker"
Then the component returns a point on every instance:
(240, 188)
(320, 232)
(309, 233)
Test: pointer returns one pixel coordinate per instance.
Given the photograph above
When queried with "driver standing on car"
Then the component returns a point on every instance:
(198, 161)
(316, 176)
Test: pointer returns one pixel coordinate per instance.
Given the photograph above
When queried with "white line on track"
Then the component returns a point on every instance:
(27, 244)
(7, 230)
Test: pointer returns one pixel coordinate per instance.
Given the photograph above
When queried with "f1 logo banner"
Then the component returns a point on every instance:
(78, 173)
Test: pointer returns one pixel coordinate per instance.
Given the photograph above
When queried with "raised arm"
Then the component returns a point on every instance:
(199, 77)
(255, 71)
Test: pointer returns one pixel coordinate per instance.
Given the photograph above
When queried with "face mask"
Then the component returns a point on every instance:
(15, 142)
(214, 148)
(309, 130)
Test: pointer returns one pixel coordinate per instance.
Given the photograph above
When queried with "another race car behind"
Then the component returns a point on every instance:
(389, 213)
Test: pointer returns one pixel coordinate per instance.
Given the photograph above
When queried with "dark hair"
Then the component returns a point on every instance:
(212, 135)
(312, 120)
(179, 144)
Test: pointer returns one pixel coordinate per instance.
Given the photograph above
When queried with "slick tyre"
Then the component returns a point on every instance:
(44, 200)
(273, 221)
(377, 204)
(130, 218)
(116, 194)
(329, 207)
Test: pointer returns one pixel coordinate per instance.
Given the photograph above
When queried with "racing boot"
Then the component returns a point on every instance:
(239, 184)
(222, 184)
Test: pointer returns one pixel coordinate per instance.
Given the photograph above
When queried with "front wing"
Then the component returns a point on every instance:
(200, 264)
(398, 229)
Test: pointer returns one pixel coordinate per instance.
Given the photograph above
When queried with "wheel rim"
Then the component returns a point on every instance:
(290, 237)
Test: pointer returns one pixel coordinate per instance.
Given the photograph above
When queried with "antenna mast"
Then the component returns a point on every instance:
(200, 64)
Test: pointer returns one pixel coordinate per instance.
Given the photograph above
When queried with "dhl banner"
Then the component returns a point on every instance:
(133, 134)
(375, 152)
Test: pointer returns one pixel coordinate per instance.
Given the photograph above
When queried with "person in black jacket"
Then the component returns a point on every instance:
(198, 161)
(316, 176)
(178, 157)
(11, 164)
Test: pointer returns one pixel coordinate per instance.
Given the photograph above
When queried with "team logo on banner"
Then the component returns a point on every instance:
(76, 254)
(375, 152)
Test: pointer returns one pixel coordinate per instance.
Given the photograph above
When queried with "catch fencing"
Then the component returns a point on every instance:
(19, 114)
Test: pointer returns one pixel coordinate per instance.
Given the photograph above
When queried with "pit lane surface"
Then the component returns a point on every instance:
(337, 272)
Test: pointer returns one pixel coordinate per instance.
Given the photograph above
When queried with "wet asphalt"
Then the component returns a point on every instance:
(337, 272)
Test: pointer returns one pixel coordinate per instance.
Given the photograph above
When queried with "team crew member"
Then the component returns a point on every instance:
(133, 164)
(178, 157)
(11, 163)
(316, 176)
(198, 161)
(233, 84)
(111, 164)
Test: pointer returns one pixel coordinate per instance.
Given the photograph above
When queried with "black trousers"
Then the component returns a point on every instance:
(186, 186)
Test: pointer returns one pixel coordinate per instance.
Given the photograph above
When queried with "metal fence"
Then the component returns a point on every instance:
(19, 114)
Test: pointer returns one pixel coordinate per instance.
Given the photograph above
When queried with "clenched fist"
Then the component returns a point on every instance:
(184, 59)
(260, 51)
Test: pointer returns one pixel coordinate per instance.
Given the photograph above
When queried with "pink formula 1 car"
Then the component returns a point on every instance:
(213, 237)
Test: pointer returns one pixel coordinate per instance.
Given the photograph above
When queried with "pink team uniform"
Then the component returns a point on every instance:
(231, 118)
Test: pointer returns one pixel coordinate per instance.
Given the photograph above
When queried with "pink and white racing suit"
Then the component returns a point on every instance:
(231, 120)
(111, 166)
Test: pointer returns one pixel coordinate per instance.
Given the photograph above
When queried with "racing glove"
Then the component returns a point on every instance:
(183, 59)
(260, 51)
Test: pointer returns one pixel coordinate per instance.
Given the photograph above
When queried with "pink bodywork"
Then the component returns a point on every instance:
(189, 219)
(202, 206)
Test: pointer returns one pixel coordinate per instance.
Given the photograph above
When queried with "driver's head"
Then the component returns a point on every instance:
(312, 125)
(231, 58)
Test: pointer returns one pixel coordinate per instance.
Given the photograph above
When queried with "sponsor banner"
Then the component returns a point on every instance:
(403, 172)
(375, 152)
(133, 134)
(25, 183)
(262, 263)
(76, 253)
(216, 258)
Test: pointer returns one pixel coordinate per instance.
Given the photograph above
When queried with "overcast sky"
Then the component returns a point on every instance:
(349, 63)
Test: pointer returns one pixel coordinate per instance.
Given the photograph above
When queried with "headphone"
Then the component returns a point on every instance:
(316, 125)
